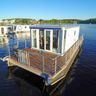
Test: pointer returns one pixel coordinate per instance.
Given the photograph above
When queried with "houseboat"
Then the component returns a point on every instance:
(20, 30)
(53, 51)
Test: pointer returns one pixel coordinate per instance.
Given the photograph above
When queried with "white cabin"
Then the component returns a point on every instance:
(57, 39)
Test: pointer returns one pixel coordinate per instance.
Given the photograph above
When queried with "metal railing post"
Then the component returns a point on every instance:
(43, 63)
(18, 56)
(28, 58)
(55, 65)
(66, 56)
(9, 52)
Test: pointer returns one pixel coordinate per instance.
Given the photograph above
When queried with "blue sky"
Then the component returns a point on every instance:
(48, 9)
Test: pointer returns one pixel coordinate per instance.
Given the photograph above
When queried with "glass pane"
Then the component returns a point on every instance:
(55, 40)
(48, 40)
(41, 39)
(34, 39)
(2, 30)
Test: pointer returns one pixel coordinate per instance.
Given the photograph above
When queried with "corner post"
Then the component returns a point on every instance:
(55, 65)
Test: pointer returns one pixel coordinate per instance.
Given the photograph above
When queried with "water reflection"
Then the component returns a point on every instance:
(17, 83)
(19, 40)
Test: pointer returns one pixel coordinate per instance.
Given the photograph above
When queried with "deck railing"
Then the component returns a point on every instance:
(62, 60)
(46, 65)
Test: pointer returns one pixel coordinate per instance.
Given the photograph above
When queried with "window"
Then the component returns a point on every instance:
(14, 27)
(2, 30)
(74, 33)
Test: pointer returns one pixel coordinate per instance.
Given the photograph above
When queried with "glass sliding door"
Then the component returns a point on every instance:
(48, 38)
(55, 40)
(35, 38)
(41, 39)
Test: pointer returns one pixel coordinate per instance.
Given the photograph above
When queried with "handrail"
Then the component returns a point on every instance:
(67, 52)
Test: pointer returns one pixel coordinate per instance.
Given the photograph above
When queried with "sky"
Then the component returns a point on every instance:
(48, 9)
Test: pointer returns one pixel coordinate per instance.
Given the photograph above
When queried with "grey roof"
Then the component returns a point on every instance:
(50, 26)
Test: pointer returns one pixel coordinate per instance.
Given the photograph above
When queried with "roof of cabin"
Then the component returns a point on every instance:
(49, 26)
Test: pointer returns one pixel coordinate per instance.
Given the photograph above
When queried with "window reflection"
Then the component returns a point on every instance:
(55, 40)
(34, 39)
(48, 40)
(41, 39)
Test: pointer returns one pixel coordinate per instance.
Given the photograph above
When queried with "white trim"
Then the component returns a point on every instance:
(62, 51)
(65, 35)
(44, 39)
(58, 41)
(37, 37)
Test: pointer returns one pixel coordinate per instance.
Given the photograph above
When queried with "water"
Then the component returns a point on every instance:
(81, 79)
(9, 84)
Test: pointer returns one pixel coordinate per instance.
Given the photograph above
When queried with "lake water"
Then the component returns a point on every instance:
(81, 79)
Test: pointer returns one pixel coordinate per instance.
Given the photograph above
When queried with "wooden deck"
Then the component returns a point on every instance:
(38, 60)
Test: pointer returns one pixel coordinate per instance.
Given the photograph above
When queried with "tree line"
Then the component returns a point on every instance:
(52, 21)
(55, 21)
(68, 21)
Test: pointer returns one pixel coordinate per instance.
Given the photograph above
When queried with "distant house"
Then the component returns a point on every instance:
(11, 21)
(8, 21)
